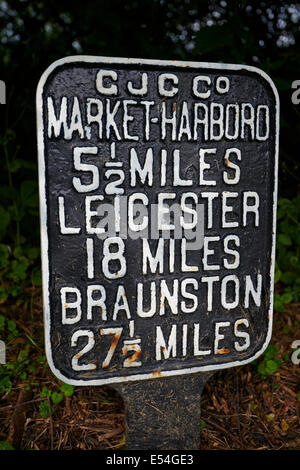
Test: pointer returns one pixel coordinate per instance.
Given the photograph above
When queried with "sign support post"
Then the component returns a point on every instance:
(163, 414)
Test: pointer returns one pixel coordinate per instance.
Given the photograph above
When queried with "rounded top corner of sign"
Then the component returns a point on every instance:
(53, 67)
(266, 78)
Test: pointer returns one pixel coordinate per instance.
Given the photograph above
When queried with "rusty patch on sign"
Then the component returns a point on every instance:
(223, 351)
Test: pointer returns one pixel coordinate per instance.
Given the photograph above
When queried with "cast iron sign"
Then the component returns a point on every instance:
(158, 202)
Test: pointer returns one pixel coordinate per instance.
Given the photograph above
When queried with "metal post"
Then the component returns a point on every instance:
(163, 413)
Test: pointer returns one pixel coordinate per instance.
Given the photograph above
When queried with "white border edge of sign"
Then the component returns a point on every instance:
(43, 213)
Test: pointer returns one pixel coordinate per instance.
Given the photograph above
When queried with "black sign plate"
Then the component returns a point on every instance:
(158, 186)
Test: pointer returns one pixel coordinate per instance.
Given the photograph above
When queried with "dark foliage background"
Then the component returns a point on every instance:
(33, 34)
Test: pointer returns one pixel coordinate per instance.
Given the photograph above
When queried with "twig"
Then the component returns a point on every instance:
(51, 423)
(108, 435)
(234, 415)
(68, 406)
(237, 403)
(12, 407)
(17, 423)
(225, 431)
(289, 391)
(40, 435)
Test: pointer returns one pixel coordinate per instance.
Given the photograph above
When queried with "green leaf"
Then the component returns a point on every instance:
(270, 352)
(29, 193)
(271, 366)
(294, 260)
(18, 252)
(36, 277)
(278, 305)
(288, 277)
(15, 290)
(5, 384)
(18, 271)
(261, 368)
(277, 274)
(33, 253)
(284, 239)
(284, 202)
(202, 424)
(287, 298)
(67, 390)
(281, 213)
(4, 255)
(4, 445)
(44, 409)
(19, 163)
(57, 397)
(45, 393)
(12, 327)
(297, 238)
(3, 294)
(23, 355)
(4, 219)
(42, 359)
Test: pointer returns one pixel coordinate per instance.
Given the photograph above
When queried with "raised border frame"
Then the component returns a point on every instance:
(43, 209)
